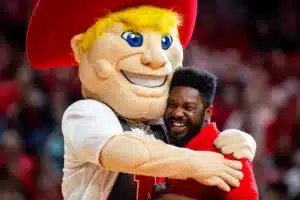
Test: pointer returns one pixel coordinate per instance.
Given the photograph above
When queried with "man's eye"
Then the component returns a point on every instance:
(190, 108)
(170, 105)
(133, 39)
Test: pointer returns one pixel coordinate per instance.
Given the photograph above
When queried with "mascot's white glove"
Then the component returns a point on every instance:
(241, 144)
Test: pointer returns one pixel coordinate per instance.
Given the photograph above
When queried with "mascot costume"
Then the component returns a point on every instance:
(126, 51)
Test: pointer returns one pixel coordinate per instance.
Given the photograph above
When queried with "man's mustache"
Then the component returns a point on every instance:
(177, 119)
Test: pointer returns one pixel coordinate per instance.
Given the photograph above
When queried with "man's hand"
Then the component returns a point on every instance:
(212, 169)
(241, 144)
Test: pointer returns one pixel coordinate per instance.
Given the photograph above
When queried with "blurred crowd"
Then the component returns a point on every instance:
(250, 45)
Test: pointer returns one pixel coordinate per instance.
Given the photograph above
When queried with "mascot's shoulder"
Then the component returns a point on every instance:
(90, 107)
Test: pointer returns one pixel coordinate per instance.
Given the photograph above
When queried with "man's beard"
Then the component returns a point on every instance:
(182, 141)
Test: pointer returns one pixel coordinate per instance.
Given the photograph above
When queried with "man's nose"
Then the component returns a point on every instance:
(154, 58)
(178, 112)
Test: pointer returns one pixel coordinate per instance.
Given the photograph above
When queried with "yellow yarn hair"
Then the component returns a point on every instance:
(134, 19)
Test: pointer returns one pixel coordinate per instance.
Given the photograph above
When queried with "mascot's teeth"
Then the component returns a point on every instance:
(145, 80)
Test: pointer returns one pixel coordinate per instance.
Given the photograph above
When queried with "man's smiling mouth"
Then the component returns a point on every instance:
(145, 80)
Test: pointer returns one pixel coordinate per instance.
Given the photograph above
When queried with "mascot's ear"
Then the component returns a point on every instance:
(75, 41)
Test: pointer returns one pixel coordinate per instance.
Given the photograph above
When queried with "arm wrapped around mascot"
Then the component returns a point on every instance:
(126, 52)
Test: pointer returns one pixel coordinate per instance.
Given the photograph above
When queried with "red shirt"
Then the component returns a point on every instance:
(204, 141)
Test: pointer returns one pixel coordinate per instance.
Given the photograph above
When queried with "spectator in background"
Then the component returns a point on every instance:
(283, 134)
(19, 164)
(34, 116)
(276, 191)
(292, 177)
(5, 56)
(48, 180)
(55, 143)
(10, 187)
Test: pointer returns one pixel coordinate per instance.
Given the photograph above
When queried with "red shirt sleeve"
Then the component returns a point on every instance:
(248, 188)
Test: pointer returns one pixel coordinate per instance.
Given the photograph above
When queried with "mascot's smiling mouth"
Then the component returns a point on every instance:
(148, 81)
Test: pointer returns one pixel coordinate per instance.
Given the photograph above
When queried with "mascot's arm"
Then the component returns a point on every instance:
(92, 133)
(146, 156)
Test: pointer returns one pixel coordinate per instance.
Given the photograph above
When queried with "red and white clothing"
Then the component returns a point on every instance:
(204, 141)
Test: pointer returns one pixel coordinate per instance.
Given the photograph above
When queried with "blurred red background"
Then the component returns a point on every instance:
(253, 48)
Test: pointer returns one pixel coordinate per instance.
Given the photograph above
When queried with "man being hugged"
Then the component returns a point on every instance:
(187, 116)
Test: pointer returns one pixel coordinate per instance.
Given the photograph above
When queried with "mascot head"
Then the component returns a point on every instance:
(126, 50)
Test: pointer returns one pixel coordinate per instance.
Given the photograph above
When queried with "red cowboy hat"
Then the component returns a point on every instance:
(55, 22)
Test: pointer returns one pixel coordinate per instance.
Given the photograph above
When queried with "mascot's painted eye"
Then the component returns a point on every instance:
(133, 39)
(166, 42)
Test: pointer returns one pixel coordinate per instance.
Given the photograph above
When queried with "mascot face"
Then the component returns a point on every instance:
(126, 60)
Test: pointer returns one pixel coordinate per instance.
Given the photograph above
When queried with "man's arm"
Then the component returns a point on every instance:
(93, 134)
(248, 188)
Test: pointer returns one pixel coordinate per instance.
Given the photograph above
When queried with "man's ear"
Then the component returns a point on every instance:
(75, 42)
(208, 113)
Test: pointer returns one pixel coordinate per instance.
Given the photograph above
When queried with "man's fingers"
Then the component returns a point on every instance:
(216, 181)
(235, 173)
(231, 180)
(235, 164)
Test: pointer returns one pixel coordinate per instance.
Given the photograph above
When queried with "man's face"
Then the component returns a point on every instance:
(131, 71)
(185, 111)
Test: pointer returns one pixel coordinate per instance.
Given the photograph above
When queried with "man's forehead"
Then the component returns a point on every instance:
(185, 94)
(185, 91)
(184, 99)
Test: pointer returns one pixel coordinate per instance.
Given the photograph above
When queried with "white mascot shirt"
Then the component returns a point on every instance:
(87, 125)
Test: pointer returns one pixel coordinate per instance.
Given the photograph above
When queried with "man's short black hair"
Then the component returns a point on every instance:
(201, 80)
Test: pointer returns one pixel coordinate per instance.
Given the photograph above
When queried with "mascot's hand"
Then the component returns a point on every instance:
(212, 169)
(241, 144)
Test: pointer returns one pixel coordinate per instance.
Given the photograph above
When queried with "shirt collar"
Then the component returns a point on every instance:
(206, 136)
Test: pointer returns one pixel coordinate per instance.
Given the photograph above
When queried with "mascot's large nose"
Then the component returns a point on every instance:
(154, 58)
